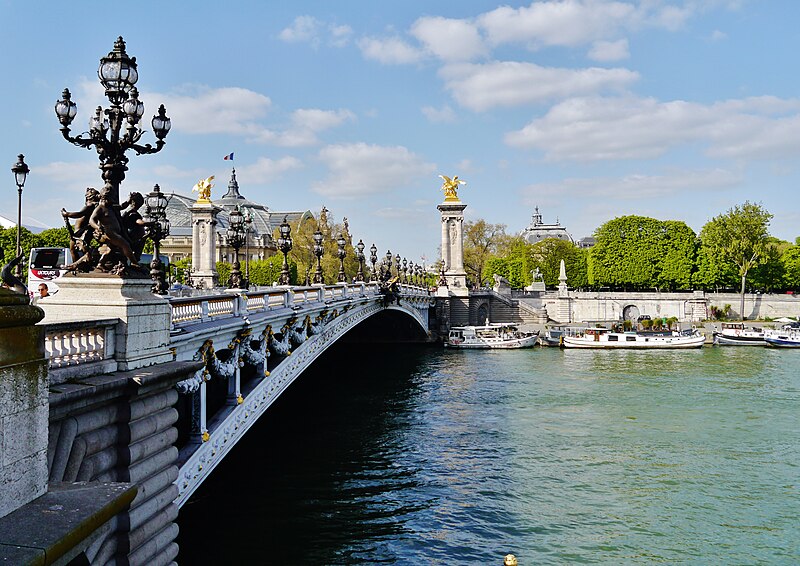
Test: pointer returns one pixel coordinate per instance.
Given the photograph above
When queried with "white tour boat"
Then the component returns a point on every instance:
(497, 335)
(786, 337)
(604, 338)
(736, 334)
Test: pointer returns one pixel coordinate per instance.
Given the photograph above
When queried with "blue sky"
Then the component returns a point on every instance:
(590, 109)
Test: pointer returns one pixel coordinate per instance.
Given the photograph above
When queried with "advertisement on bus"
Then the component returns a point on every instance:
(45, 268)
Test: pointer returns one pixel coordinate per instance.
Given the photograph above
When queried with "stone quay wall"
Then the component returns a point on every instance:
(531, 308)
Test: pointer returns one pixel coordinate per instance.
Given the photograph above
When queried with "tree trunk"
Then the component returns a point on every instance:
(741, 307)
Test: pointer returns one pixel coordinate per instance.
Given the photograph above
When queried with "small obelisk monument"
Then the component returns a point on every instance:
(452, 213)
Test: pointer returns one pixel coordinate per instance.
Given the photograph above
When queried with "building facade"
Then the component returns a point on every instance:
(260, 243)
(538, 230)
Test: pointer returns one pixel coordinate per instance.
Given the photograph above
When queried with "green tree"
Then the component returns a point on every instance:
(547, 256)
(741, 238)
(790, 259)
(482, 240)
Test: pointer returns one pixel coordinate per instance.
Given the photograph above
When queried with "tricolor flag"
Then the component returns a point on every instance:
(228, 157)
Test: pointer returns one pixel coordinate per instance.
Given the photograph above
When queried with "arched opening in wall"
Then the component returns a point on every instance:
(483, 314)
(631, 312)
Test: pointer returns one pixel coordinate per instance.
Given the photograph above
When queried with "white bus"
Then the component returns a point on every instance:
(46, 266)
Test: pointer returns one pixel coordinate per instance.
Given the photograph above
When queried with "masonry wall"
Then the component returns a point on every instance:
(120, 428)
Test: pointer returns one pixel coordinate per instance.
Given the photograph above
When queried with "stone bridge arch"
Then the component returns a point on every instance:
(364, 318)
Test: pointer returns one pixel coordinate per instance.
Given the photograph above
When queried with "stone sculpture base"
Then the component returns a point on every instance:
(142, 337)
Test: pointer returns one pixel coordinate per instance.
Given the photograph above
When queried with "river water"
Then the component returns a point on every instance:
(410, 455)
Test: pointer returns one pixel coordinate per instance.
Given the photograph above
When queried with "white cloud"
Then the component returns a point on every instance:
(718, 35)
(556, 23)
(483, 86)
(303, 29)
(449, 39)
(361, 169)
(340, 34)
(74, 173)
(609, 50)
(318, 120)
(586, 129)
(389, 51)
(439, 115)
(265, 170)
(227, 110)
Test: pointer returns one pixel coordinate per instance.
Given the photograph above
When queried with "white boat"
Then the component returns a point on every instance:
(604, 338)
(497, 335)
(553, 335)
(736, 334)
(786, 337)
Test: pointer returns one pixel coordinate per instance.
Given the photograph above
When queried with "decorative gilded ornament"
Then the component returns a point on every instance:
(450, 188)
(203, 189)
(206, 436)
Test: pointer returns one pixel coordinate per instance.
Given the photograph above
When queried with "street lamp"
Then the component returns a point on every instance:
(373, 258)
(248, 222)
(405, 271)
(360, 258)
(388, 264)
(319, 249)
(20, 170)
(341, 242)
(158, 228)
(285, 245)
(397, 265)
(235, 235)
(118, 73)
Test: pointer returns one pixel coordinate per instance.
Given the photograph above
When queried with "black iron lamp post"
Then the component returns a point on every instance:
(405, 271)
(285, 245)
(235, 235)
(319, 249)
(108, 132)
(360, 257)
(411, 279)
(158, 228)
(397, 266)
(248, 222)
(341, 242)
(20, 170)
(373, 258)
(387, 263)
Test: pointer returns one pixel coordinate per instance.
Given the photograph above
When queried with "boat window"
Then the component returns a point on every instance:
(630, 338)
(612, 338)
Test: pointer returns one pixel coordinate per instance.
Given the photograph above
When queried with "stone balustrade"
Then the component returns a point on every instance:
(77, 349)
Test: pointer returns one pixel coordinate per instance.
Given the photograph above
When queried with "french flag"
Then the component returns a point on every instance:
(228, 157)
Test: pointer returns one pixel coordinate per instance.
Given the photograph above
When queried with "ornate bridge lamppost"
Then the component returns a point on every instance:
(397, 266)
(20, 170)
(373, 259)
(360, 257)
(405, 271)
(319, 249)
(118, 74)
(235, 235)
(158, 229)
(411, 279)
(387, 263)
(285, 245)
(248, 223)
(340, 243)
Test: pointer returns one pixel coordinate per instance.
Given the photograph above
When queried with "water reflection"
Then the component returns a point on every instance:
(423, 456)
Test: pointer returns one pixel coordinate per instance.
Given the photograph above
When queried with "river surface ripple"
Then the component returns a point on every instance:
(409, 455)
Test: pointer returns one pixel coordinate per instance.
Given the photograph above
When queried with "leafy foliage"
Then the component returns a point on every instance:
(482, 240)
(641, 252)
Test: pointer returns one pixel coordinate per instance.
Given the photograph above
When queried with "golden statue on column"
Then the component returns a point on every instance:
(203, 189)
(450, 188)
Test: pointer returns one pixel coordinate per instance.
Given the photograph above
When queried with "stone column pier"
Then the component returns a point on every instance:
(452, 214)
(204, 236)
